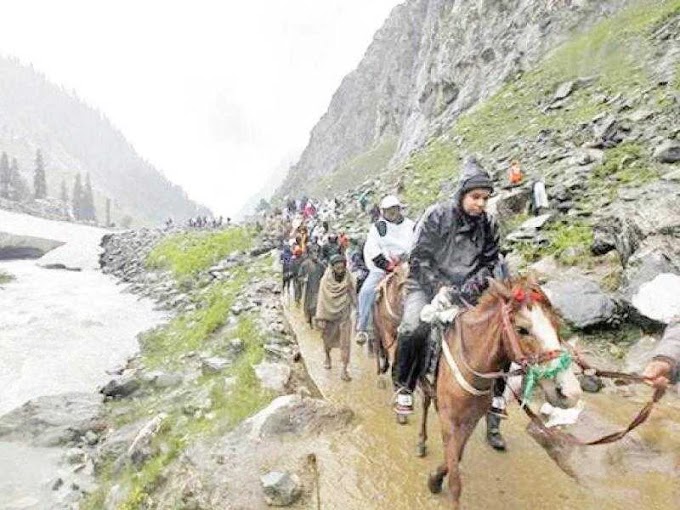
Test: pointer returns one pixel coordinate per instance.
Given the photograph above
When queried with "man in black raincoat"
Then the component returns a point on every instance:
(456, 249)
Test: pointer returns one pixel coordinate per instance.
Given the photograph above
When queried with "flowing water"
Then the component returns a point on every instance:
(60, 331)
(375, 465)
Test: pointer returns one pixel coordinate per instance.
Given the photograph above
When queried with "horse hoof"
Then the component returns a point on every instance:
(382, 384)
(422, 450)
(434, 483)
(402, 419)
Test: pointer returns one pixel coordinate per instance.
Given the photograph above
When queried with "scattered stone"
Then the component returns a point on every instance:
(236, 346)
(564, 90)
(75, 456)
(668, 152)
(590, 383)
(57, 484)
(273, 376)
(214, 365)
(281, 488)
(123, 386)
(91, 438)
(141, 449)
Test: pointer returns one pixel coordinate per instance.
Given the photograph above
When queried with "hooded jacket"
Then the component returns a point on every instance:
(452, 247)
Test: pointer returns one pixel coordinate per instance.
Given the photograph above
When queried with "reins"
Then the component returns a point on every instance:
(527, 363)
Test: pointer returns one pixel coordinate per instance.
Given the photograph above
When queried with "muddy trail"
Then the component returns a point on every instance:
(374, 465)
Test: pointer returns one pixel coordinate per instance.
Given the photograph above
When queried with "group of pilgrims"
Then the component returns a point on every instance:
(452, 251)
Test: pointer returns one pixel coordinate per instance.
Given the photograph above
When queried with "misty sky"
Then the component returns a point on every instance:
(215, 94)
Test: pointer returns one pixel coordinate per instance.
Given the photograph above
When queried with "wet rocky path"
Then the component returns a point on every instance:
(375, 466)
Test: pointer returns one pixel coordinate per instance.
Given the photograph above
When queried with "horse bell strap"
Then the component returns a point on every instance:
(457, 373)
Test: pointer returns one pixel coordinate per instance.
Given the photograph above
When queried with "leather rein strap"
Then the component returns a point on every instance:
(517, 353)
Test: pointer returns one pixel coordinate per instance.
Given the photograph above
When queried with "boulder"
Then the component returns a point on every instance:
(582, 303)
(564, 90)
(658, 299)
(293, 414)
(141, 449)
(273, 376)
(509, 203)
(214, 365)
(122, 386)
(53, 420)
(281, 488)
(668, 152)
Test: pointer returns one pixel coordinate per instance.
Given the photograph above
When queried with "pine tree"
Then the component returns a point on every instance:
(78, 198)
(18, 187)
(39, 179)
(108, 212)
(64, 192)
(88, 201)
(4, 176)
(64, 197)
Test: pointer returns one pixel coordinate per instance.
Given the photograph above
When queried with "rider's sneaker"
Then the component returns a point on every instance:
(361, 337)
(403, 402)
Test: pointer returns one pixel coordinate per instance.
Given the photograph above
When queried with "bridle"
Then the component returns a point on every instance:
(528, 362)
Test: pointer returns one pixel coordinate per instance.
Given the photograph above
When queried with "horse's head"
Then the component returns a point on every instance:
(531, 328)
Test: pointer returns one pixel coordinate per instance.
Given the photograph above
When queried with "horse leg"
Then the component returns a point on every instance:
(436, 479)
(454, 454)
(422, 438)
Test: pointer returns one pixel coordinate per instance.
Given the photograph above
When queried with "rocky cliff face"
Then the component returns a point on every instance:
(432, 60)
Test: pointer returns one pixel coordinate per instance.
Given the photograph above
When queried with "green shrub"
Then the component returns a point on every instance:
(189, 253)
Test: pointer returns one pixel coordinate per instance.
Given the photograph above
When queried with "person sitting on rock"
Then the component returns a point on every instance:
(388, 243)
(456, 249)
(337, 298)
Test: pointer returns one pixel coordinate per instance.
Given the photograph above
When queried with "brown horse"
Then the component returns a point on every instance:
(387, 312)
(513, 321)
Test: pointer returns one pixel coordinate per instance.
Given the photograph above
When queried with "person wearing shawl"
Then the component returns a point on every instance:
(337, 297)
(311, 271)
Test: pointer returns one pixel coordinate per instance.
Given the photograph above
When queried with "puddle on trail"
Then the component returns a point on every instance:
(374, 465)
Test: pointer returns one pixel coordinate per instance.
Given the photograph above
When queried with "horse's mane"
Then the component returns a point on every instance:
(501, 290)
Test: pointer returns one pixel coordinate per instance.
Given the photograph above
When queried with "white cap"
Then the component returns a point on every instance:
(390, 201)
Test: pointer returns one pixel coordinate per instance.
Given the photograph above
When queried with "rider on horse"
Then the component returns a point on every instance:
(456, 249)
(389, 241)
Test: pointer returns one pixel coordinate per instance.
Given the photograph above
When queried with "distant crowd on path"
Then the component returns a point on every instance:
(202, 222)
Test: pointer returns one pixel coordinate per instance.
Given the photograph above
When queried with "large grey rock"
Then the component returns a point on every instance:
(658, 299)
(53, 420)
(122, 386)
(509, 203)
(582, 303)
(292, 414)
(273, 376)
(280, 488)
(668, 152)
